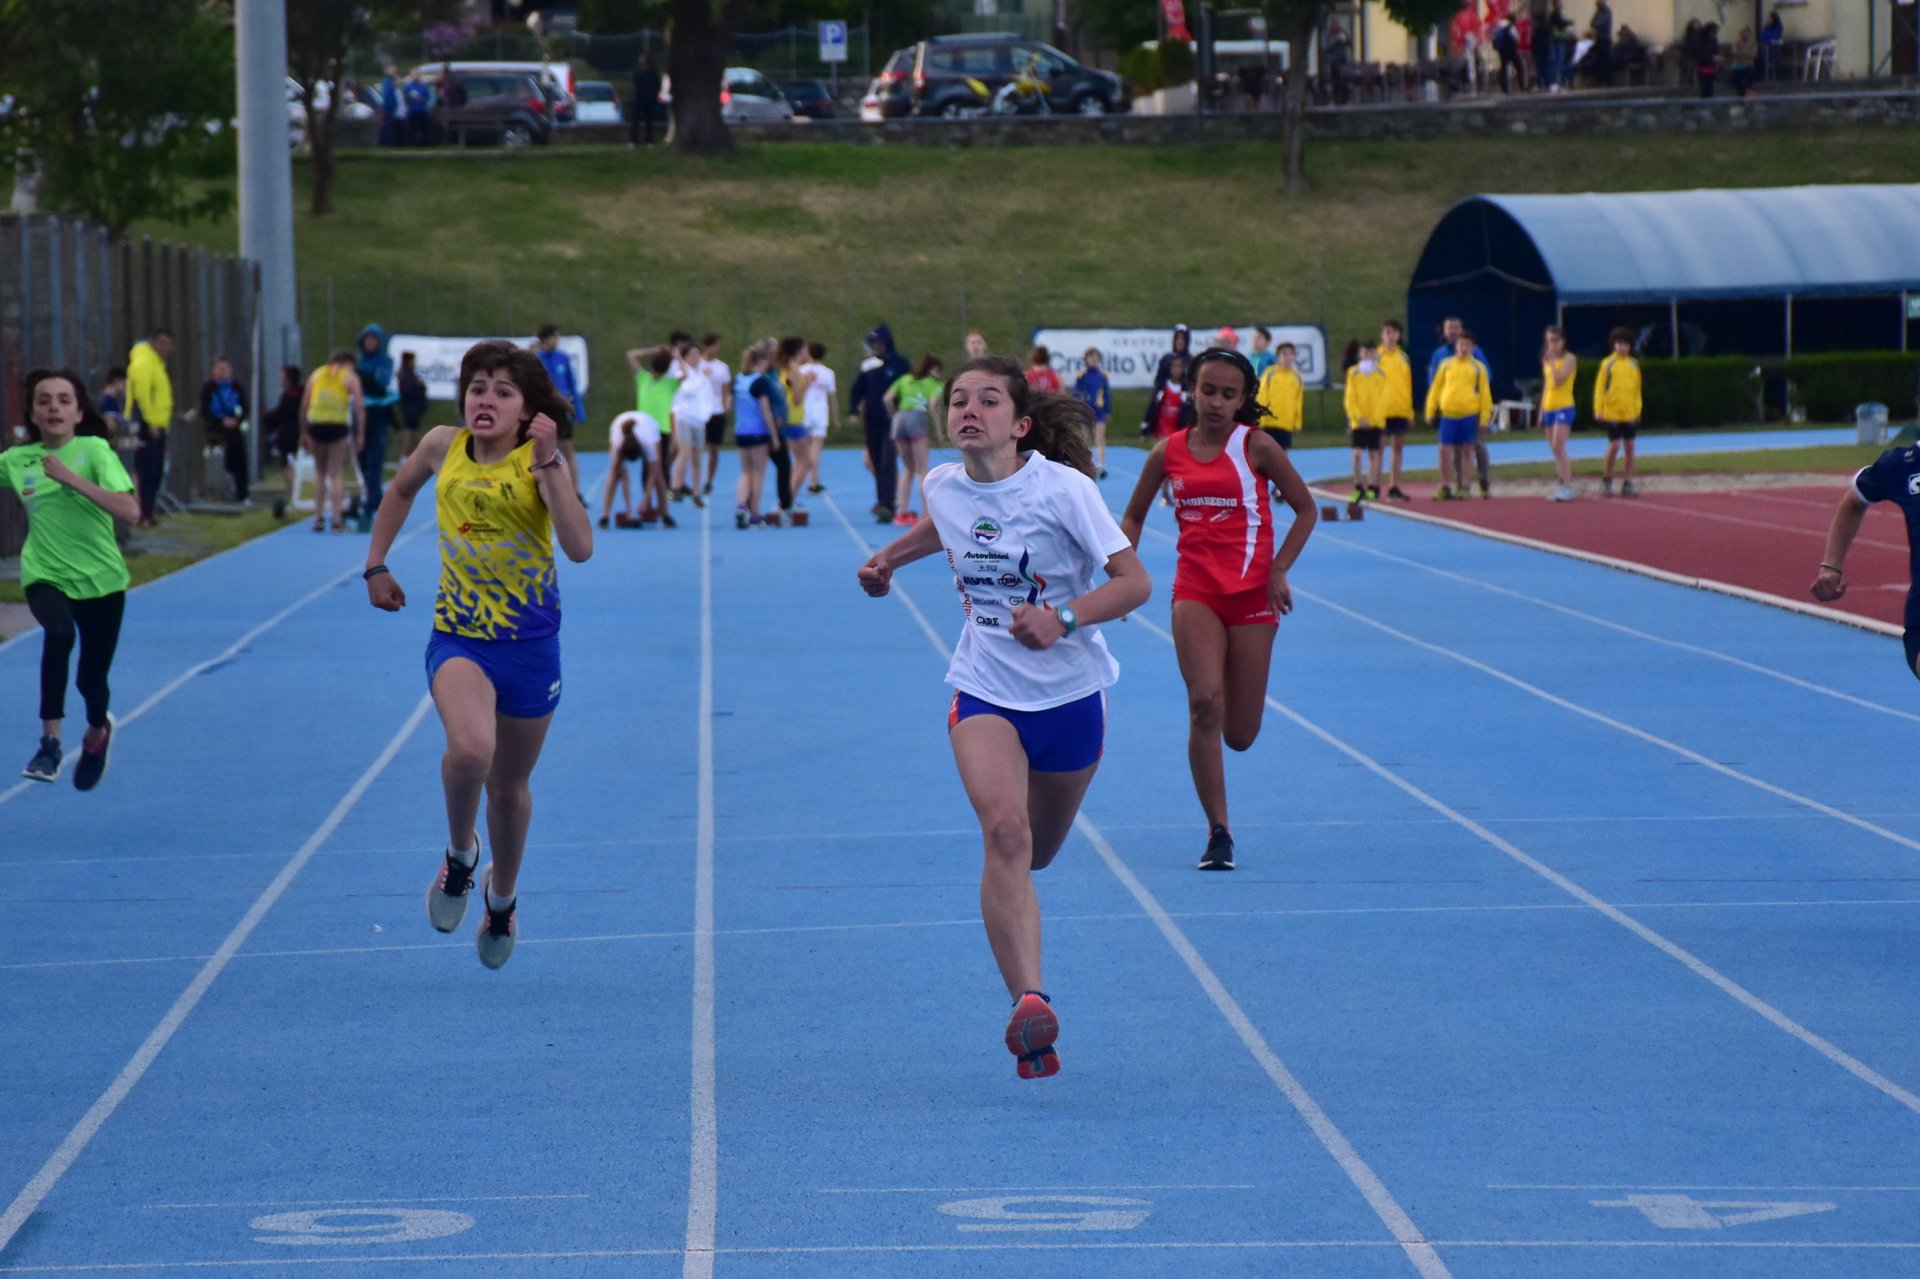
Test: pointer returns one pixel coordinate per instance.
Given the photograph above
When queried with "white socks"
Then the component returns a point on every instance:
(468, 857)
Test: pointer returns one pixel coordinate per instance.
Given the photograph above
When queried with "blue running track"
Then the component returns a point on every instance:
(1576, 933)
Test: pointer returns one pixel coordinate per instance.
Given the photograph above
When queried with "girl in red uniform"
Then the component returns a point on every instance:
(1231, 584)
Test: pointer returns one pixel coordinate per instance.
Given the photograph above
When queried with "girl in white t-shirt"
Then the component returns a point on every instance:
(816, 405)
(633, 437)
(1026, 534)
(720, 379)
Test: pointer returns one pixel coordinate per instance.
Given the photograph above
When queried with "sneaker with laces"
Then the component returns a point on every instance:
(1486, 490)
(1397, 494)
(740, 517)
(1031, 1030)
(92, 765)
(699, 502)
(667, 521)
(1629, 489)
(1359, 495)
(497, 931)
(1606, 486)
(1373, 492)
(45, 764)
(1219, 854)
(447, 895)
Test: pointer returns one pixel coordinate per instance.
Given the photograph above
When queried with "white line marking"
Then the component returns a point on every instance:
(1902, 1190)
(179, 681)
(1693, 963)
(703, 1161)
(1617, 627)
(1652, 739)
(327, 1203)
(1789, 529)
(1372, 1189)
(1644, 570)
(36, 1190)
(1011, 1190)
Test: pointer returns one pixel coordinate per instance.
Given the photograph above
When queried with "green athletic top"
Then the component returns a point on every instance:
(70, 542)
(654, 397)
(912, 392)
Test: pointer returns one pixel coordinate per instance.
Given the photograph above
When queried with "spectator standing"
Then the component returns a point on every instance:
(817, 403)
(1686, 48)
(150, 409)
(1506, 45)
(378, 396)
(1559, 42)
(911, 398)
(1541, 29)
(559, 367)
(1746, 52)
(1523, 29)
(646, 101)
(1617, 407)
(1706, 58)
(1773, 34)
(417, 102)
(1282, 398)
(976, 345)
(1450, 330)
(413, 401)
(1182, 347)
(1396, 401)
(112, 404)
(1336, 49)
(720, 378)
(1602, 42)
(281, 426)
(694, 405)
(333, 421)
(867, 401)
(1093, 389)
(1460, 403)
(223, 414)
(1262, 355)
(1366, 393)
(393, 109)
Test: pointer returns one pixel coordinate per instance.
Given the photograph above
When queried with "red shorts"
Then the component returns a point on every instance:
(1242, 608)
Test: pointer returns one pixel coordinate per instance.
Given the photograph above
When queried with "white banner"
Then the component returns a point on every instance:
(1130, 356)
(437, 359)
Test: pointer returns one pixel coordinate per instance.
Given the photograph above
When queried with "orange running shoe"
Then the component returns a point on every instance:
(1031, 1031)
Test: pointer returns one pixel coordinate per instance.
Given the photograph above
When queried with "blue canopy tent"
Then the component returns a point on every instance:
(1767, 272)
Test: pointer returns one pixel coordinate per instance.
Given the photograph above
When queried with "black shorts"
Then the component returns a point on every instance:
(1365, 437)
(1911, 640)
(1622, 430)
(1283, 438)
(327, 432)
(753, 441)
(716, 430)
(1399, 425)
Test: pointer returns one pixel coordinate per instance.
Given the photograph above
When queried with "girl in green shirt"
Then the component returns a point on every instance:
(71, 569)
(909, 400)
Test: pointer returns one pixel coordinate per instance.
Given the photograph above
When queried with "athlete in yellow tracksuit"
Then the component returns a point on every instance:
(1282, 397)
(1366, 393)
(1396, 407)
(1616, 406)
(1460, 401)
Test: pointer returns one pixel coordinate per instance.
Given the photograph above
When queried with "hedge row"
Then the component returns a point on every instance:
(1724, 390)
(1165, 65)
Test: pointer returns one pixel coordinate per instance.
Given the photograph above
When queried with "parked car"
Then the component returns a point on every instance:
(747, 97)
(559, 102)
(597, 103)
(511, 109)
(560, 73)
(811, 99)
(945, 76)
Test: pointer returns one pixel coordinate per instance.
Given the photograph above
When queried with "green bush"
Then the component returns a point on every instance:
(1140, 68)
(1721, 390)
(1176, 62)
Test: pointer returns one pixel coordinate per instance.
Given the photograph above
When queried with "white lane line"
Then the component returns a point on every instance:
(1898, 1190)
(1852, 1065)
(1634, 632)
(343, 1203)
(1771, 600)
(1789, 529)
(703, 1160)
(1639, 734)
(1027, 1245)
(1006, 1190)
(179, 681)
(1401, 1226)
(42, 1183)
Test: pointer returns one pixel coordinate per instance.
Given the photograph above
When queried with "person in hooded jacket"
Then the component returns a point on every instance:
(1183, 349)
(379, 393)
(867, 402)
(223, 412)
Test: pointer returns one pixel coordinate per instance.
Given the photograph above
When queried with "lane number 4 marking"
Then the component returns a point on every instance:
(358, 1226)
(1049, 1212)
(1680, 1212)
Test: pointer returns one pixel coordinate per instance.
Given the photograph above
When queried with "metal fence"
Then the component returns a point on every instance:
(70, 297)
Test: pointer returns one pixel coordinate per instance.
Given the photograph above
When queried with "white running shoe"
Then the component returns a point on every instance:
(497, 931)
(447, 895)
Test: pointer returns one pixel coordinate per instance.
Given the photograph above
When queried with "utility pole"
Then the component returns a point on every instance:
(266, 180)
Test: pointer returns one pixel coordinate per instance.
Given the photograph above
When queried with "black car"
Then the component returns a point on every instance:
(965, 75)
(811, 99)
(510, 109)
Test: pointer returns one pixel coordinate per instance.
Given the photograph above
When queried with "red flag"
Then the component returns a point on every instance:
(1175, 13)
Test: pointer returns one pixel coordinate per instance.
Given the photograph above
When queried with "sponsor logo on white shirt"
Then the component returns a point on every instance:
(985, 532)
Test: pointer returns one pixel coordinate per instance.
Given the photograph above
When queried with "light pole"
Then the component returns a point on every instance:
(266, 184)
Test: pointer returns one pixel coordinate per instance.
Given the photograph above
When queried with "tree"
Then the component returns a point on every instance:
(321, 36)
(1297, 23)
(120, 128)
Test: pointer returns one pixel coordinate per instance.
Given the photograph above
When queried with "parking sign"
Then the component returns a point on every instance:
(833, 42)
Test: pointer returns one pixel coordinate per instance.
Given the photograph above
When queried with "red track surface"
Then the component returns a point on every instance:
(1765, 539)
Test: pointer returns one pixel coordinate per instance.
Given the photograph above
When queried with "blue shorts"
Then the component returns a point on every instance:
(1060, 739)
(799, 432)
(1556, 417)
(525, 674)
(1459, 430)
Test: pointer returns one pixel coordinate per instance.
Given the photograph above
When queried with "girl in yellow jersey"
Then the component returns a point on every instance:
(493, 663)
(1616, 406)
(1557, 367)
(331, 411)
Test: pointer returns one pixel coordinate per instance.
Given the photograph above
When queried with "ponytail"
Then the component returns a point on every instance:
(1060, 426)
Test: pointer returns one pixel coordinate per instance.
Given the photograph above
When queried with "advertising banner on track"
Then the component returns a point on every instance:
(437, 359)
(1130, 356)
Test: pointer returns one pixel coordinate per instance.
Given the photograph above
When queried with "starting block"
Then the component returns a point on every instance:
(1340, 511)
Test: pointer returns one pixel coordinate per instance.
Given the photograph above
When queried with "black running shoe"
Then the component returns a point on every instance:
(93, 761)
(45, 764)
(1373, 492)
(1397, 495)
(1219, 855)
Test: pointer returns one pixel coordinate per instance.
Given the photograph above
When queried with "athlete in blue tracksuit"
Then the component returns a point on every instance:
(379, 394)
(867, 401)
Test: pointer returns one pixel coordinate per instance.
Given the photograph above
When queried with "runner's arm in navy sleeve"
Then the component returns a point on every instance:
(1879, 482)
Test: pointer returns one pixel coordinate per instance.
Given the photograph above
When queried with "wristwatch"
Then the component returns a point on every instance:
(1067, 619)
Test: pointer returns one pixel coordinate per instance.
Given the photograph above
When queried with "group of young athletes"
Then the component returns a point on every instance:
(1038, 561)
